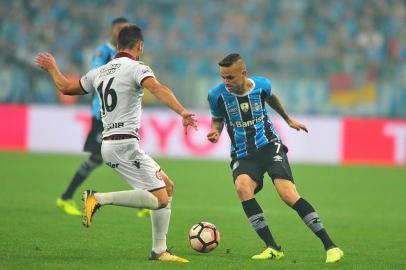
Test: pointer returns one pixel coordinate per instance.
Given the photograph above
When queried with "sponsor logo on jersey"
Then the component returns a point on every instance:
(244, 124)
(115, 125)
(112, 165)
(146, 71)
(137, 163)
(277, 158)
(109, 69)
(235, 165)
(257, 106)
(233, 110)
(245, 107)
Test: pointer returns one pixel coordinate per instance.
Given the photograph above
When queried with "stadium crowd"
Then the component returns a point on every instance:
(327, 34)
(306, 38)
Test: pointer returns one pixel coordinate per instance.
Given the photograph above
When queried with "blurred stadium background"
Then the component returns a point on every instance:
(324, 57)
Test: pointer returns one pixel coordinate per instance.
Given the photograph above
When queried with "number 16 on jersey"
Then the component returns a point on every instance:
(108, 96)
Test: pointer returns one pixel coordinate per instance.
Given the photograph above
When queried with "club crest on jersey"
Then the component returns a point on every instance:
(245, 107)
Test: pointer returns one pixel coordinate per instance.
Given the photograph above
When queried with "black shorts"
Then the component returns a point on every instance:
(271, 158)
(94, 138)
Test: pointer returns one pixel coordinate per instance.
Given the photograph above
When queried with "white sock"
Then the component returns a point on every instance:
(160, 223)
(137, 198)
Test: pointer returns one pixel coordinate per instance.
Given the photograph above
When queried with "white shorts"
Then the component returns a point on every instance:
(132, 164)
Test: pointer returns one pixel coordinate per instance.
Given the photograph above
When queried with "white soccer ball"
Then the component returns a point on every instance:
(204, 237)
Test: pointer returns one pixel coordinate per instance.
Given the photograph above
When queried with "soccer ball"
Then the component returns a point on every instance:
(204, 237)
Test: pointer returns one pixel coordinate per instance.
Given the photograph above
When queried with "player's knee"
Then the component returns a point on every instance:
(162, 202)
(289, 197)
(287, 191)
(245, 192)
(162, 197)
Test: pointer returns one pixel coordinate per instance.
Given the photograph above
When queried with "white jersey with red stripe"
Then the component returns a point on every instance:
(119, 87)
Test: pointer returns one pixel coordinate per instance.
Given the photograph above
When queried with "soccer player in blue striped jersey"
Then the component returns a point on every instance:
(101, 56)
(239, 103)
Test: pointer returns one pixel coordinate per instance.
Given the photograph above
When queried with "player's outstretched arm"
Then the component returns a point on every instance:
(275, 104)
(216, 127)
(66, 86)
(166, 96)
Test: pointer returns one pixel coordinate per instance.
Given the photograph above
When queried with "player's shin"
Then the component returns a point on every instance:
(312, 220)
(130, 198)
(256, 217)
(160, 223)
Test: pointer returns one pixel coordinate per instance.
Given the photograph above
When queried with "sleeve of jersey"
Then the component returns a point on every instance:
(213, 105)
(141, 73)
(99, 57)
(86, 82)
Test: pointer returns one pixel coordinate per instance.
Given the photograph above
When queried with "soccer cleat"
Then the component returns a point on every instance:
(269, 254)
(334, 255)
(69, 206)
(143, 213)
(90, 206)
(166, 256)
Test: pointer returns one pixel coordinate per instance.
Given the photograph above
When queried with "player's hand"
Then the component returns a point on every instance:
(45, 61)
(296, 125)
(213, 136)
(188, 119)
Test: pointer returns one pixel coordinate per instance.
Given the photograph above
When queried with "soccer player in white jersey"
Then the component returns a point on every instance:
(102, 55)
(120, 85)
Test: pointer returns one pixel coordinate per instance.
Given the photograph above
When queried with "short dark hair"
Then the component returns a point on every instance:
(118, 21)
(129, 36)
(229, 60)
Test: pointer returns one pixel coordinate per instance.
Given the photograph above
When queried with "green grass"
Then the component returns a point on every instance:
(363, 209)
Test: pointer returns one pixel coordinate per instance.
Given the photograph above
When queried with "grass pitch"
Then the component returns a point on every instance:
(363, 209)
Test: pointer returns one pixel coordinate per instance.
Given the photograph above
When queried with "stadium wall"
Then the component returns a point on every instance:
(333, 140)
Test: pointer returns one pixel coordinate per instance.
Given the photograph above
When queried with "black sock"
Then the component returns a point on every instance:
(312, 220)
(80, 176)
(257, 220)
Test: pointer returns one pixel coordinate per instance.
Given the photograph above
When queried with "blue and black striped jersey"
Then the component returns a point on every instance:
(247, 119)
(101, 56)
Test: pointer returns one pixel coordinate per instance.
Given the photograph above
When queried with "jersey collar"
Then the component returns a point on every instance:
(246, 94)
(124, 54)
